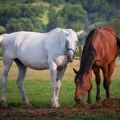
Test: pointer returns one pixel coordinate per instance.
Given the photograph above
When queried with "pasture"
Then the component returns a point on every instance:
(38, 89)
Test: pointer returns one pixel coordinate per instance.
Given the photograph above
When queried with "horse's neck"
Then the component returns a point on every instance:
(57, 39)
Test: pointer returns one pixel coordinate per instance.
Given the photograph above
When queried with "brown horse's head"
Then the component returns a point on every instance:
(83, 85)
(83, 76)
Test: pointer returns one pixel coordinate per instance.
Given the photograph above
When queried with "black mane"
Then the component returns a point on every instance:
(118, 41)
(88, 54)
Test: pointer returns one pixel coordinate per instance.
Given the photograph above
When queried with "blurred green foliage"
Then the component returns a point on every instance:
(44, 15)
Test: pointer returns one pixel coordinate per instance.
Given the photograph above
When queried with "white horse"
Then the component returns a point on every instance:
(39, 51)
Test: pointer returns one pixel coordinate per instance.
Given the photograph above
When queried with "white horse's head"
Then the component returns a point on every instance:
(71, 42)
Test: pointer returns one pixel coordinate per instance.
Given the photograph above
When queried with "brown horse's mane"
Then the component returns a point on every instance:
(88, 54)
(118, 41)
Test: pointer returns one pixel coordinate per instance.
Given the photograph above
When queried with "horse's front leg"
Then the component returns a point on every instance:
(89, 101)
(98, 80)
(60, 73)
(53, 74)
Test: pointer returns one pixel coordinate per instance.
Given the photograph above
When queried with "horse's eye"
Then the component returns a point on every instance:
(76, 80)
(82, 83)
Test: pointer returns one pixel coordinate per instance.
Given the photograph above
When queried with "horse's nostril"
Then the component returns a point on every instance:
(70, 58)
(79, 100)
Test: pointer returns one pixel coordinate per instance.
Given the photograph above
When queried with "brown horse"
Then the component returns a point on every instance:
(99, 52)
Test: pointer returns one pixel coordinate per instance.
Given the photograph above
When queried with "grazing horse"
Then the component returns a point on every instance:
(99, 52)
(52, 50)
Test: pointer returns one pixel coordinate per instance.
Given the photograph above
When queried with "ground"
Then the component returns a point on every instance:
(109, 106)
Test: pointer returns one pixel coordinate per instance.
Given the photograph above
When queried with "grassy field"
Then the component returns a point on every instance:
(38, 86)
(38, 89)
(39, 93)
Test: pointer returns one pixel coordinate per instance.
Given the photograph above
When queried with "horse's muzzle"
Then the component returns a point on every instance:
(79, 100)
(70, 58)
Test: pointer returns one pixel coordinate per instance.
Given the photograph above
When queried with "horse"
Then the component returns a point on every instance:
(52, 50)
(99, 53)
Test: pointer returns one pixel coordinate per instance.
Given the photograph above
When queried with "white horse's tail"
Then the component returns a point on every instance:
(1, 38)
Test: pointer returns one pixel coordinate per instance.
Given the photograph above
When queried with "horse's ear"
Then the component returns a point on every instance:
(66, 32)
(76, 71)
(80, 32)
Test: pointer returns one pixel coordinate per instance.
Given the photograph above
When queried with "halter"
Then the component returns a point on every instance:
(66, 46)
(70, 49)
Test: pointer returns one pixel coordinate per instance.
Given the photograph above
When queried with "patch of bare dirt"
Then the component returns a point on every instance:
(108, 107)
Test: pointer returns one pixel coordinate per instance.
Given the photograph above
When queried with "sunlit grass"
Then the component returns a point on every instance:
(40, 75)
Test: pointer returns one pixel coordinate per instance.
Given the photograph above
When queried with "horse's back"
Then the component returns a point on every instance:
(34, 49)
(28, 47)
(13, 41)
(104, 42)
(16, 37)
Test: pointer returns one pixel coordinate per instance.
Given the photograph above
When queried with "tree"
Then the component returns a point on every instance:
(21, 24)
(7, 12)
(2, 29)
(52, 16)
(115, 23)
(74, 16)
(38, 25)
(101, 10)
(55, 2)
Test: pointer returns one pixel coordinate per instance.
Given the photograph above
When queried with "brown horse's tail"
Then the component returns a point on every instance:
(118, 41)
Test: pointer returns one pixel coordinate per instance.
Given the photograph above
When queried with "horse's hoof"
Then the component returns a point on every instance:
(55, 106)
(27, 106)
(3, 104)
(97, 98)
(89, 101)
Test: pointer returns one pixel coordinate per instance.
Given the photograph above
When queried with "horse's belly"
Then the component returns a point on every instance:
(39, 66)
(35, 61)
(34, 64)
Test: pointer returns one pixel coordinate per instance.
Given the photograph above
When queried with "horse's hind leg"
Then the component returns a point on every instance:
(108, 71)
(7, 64)
(20, 82)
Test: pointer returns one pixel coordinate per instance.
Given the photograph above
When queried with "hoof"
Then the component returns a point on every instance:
(89, 101)
(56, 105)
(3, 104)
(97, 99)
(27, 106)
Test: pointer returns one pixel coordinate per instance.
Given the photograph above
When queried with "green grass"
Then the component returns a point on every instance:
(39, 93)
(38, 89)
(91, 117)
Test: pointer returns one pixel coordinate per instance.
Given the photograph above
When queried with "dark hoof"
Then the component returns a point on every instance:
(98, 99)
(89, 101)
(27, 106)
(3, 104)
